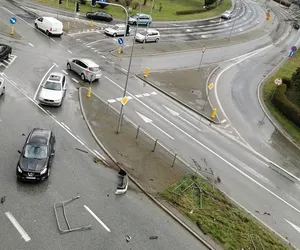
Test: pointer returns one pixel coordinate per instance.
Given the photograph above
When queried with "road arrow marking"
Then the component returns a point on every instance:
(293, 225)
(147, 120)
(178, 115)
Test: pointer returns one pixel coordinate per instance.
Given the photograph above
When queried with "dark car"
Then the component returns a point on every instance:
(37, 155)
(296, 25)
(5, 52)
(101, 16)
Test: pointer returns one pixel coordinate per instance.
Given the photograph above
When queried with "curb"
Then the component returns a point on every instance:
(176, 99)
(136, 183)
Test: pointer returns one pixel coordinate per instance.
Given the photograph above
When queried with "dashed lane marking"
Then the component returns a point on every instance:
(138, 96)
(97, 219)
(70, 51)
(31, 44)
(75, 80)
(65, 72)
(227, 126)
(16, 224)
(52, 39)
(103, 57)
(111, 100)
(65, 126)
(146, 94)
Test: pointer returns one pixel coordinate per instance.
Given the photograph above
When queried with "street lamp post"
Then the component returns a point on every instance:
(148, 23)
(126, 21)
(128, 72)
(233, 23)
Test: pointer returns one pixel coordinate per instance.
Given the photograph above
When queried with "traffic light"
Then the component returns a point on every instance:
(77, 7)
(60, 1)
(93, 2)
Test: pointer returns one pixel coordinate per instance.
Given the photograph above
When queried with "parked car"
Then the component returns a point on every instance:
(117, 30)
(101, 16)
(37, 155)
(2, 86)
(296, 25)
(142, 19)
(50, 25)
(53, 90)
(151, 35)
(86, 68)
(227, 14)
(5, 52)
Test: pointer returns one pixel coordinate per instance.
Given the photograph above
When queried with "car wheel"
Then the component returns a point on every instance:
(156, 40)
(69, 66)
(36, 26)
(48, 172)
(134, 23)
(47, 32)
(114, 34)
(3, 91)
(8, 56)
(82, 77)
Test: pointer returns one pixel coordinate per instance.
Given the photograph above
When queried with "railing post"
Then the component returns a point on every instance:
(174, 160)
(154, 145)
(138, 131)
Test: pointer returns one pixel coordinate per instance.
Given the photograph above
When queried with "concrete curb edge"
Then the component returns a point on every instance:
(176, 99)
(136, 183)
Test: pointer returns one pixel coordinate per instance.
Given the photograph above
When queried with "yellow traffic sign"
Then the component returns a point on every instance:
(210, 86)
(124, 100)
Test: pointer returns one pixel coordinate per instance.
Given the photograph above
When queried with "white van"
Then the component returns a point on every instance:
(2, 86)
(50, 25)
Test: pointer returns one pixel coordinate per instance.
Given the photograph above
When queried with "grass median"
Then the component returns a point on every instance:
(286, 70)
(218, 217)
(167, 13)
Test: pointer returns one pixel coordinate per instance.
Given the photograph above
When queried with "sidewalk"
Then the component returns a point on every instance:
(189, 87)
(154, 171)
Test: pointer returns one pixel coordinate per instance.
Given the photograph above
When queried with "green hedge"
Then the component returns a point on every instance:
(188, 12)
(285, 106)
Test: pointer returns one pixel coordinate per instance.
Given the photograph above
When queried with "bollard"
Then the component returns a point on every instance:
(91, 23)
(12, 30)
(119, 50)
(89, 92)
(213, 113)
(68, 26)
(146, 73)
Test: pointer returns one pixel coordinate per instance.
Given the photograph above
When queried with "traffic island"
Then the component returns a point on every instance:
(7, 30)
(188, 86)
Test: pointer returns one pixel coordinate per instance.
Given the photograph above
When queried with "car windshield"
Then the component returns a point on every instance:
(143, 33)
(35, 151)
(116, 27)
(94, 69)
(2, 48)
(135, 16)
(52, 85)
(227, 12)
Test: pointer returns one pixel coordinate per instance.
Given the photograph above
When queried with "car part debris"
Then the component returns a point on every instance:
(3, 199)
(153, 237)
(128, 238)
(122, 182)
(62, 205)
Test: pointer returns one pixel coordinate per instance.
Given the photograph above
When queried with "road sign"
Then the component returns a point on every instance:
(294, 48)
(13, 20)
(120, 40)
(203, 49)
(210, 86)
(124, 100)
(292, 53)
(278, 81)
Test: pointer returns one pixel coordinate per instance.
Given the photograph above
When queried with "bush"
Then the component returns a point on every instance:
(83, 1)
(287, 82)
(285, 106)
(188, 12)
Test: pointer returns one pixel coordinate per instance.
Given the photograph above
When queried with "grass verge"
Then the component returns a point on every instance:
(168, 12)
(286, 70)
(226, 223)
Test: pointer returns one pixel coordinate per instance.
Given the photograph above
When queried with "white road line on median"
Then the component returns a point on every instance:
(70, 52)
(65, 126)
(139, 96)
(210, 150)
(111, 100)
(146, 94)
(227, 126)
(65, 72)
(124, 70)
(100, 155)
(34, 97)
(96, 217)
(56, 65)
(16, 224)
(52, 39)
(119, 99)
(96, 50)
(31, 44)
(153, 93)
(75, 80)
(103, 57)
(80, 139)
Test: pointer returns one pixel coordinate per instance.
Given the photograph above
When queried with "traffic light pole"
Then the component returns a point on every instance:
(152, 6)
(126, 21)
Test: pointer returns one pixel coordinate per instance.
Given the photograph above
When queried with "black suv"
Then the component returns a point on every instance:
(37, 155)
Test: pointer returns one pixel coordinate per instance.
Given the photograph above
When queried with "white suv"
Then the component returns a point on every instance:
(117, 30)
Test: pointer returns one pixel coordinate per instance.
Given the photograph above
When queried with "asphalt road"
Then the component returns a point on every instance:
(244, 176)
(74, 171)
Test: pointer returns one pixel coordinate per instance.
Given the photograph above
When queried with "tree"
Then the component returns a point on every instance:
(295, 80)
(145, 2)
(127, 2)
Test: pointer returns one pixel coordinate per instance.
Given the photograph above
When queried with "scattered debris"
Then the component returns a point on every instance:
(153, 237)
(96, 160)
(128, 238)
(107, 195)
(3, 199)
(265, 213)
(84, 151)
(257, 211)
(123, 182)
(218, 179)
(151, 179)
(191, 211)
(23, 134)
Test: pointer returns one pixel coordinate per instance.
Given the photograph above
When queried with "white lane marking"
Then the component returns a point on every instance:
(227, 126)
(65, 126)
(129, 97)
(92, 48)
(75, 80)
(97, 219)
(65, 72)
(111, 100)
(56, 65)
(208, 149)
(138, 96)
(119, 99)
(103, 57)
(60, 45)
(31, 44)
(24, 91)
(49, 114)
(240, 29)
(52, 39)
(80, 139)
(70, 52)
(96, 41)
(34, 98)
(16, 224)
(100, 155)
(96, 50)
(153, 93)
(146, 94)
(124, 70)
(293, 225)
(88, 46)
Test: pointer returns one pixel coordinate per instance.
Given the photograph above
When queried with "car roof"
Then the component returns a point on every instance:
(120, 24)
(152, 30)
(53, 77)
(89, 62)
(39, 136)
(50, 18)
